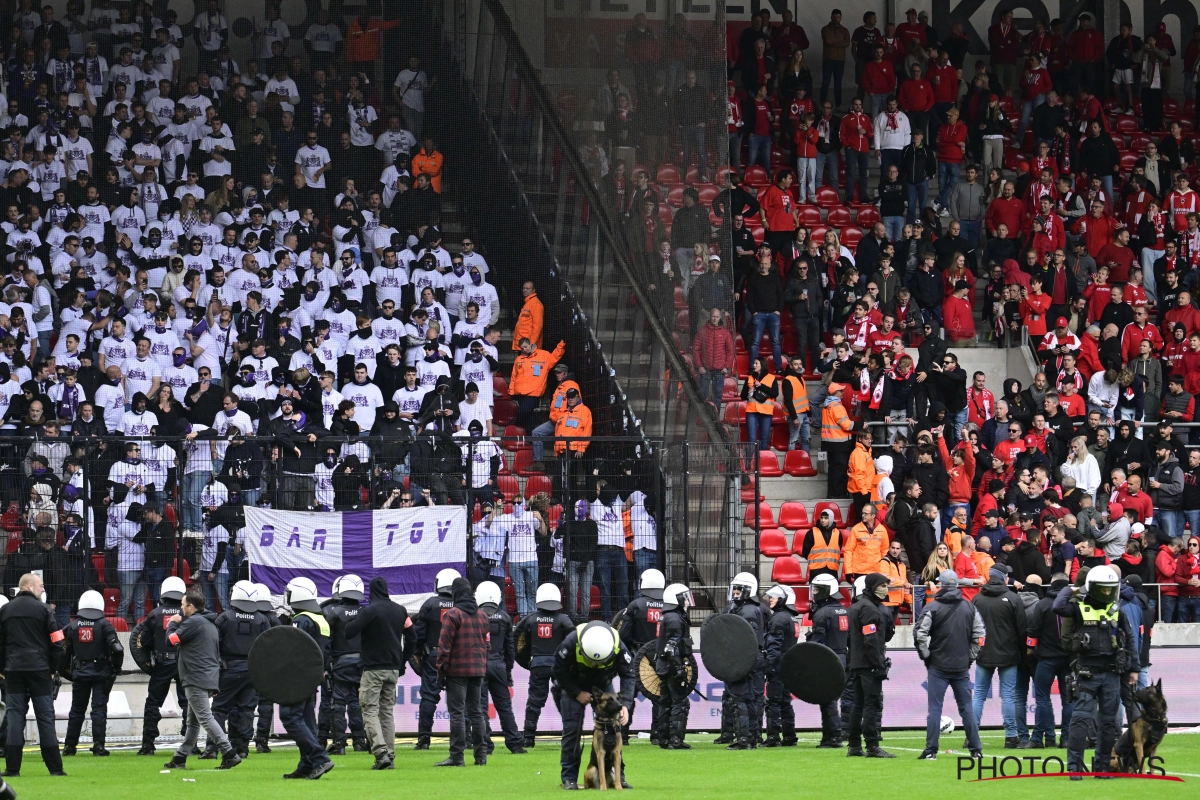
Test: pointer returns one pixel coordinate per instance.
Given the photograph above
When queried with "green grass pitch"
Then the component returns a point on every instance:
(706, 771)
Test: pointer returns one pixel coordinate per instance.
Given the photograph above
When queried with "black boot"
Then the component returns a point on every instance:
(338, 749)
(230, 760)
(878, 752)
(360, 746)
(176, 763)
(772, 741)
(854, 750)
(68, 750)
(210, 752)
(147, 748)
(422, 743)
(724, 738)
(261, 746)
(740, 744)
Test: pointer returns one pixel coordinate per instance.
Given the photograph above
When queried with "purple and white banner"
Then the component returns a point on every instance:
(406, 546)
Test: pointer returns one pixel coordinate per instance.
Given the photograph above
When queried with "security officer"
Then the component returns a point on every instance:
(589, 658)
(150, 636)
(300, 720)
(742, 704)
(670, 664)
(830, 626)
(30, 641)
(871, 626)
(233, 707)
(1103, 646)
(782, 633)
(543, 631)
(92, 649)
(638, 625)
(325, 707)
(347, 666)
(428, 630)
(266, 709)
(502, 651)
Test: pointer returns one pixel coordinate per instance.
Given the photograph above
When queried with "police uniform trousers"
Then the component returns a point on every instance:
(347, 676)
(1096, 699)
(301, 725)
(539, 689)
(833, 726)
(324, 709)
(430, 693)
(572, 731)
(781, 716)
(676, 704)
(233, 707)
(866, 717)
(36, 688)
(266, 720)
(161, 675)
(495, 684)
(82, 689)
(738, 709)
(758, 684)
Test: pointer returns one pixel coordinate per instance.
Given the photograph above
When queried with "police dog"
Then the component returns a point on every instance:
(604, 767)
(1141, 739)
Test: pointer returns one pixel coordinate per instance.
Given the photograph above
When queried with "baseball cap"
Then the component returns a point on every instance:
(948, 578)
(1030, 440)
(1136, 530)
(837, 387)
(993, 513)
(1061, 322)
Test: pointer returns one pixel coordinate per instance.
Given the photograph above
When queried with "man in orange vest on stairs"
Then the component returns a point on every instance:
(823, 548)
(558, 408)
(529, 323)
(530, 372)
(861, 472)
(794, 397)
(835, 440)
(866, 545)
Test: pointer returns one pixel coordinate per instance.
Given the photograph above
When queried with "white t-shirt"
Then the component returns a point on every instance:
(323, 38)
(310, 160)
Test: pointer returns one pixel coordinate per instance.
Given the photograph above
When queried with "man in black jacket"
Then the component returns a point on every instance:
(949, 382)
(871, 626)
(502, 652)
(830, 627)
(764, 304)
(949, 635)
(917, 165)
(385, 632)
(1044, 640)
(1004, 616)
(297, 435)
(159, 538)
(691, 113)
(30, 640)
(1027, 559)
(689, 228)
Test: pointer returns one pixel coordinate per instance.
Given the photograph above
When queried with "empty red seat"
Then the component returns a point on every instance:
(1138, 142)
(772, 543)
(1127, 161)
(793, 515)
(809, 215)
(803, 599)
(594, 605)
(729, 391)
(512, 437)
(523, 464)
(707, 193)
(508, 486)
(768, 464)
(851, 236)
(504, 410)
(683, 321)
(832, 508)
(867, 216)
(787, 570)
(537, 483)
(681, 301)
(665, 214)
(675, 195)
(766, 517)
(1127, 124)
(556, 512)
(827, 197)
(113, 596)
(818, 232)
(735, 412)
(499, 386)
(756, 176)
(838, 217)
(798, 464)
(748, 495)
(118, 623)
(667, 174)
(1010, 108)
(779, 437)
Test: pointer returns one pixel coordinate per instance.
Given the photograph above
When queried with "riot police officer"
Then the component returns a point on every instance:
(233, 707)
(347, 666)
(91, 649)
(671, 655)
(150, 645)
(637, 625)
(742, 703)
(830, 626)
(588, 659)
(502, 651)
(782, 633)
(300, 720)
(542, 632)
(1102, 643)
(871, 626)
(428, 629)
(266, 709)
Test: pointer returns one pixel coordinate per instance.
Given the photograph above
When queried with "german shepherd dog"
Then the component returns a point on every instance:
(604, 767)
(1141, 739)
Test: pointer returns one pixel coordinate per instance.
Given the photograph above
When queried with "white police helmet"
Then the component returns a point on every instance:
(173, 588)
(677, 595)
(860, 585)
(264, 598)
(598, 643)
(549, 598)
(445, 577)
(824, 586)
(348, 587)
(244, 596)
(91, 605)
(784, 594)
(1102, 584)
(488, 593)
(301, 595)
(652, 584)
(746, 583)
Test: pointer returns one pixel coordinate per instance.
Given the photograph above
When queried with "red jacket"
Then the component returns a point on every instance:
(713, 348)
(945, 83)
(981, 406)
(960, 319)
(1086, 46)
(1140, 502)
(1098, 234)
(949, 139)
(960, 477)
(912, 30)
(1088, 361)
(849, 135)
(987, 502)
(1132, 336)
(879, 77)
(1189, 316)
(1117, 259)
(1164, 571)
(806, 142)
(1010, 211)
(1187, 566)
(916, 95)
(1035, 82)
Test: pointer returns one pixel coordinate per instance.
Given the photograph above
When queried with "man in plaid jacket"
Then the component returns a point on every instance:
(461, 666)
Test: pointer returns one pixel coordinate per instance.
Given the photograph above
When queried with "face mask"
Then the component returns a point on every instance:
(135, 460)
(247, 380)
(330, 461)
(459, 270)
(70, 531)
(160, 328)
(266, 284)
(229, 412)
(335, 307)
(310, 296)
(476, 357)
(476, 278)
(881, 591)
(363, 333)
(115, 381)
(39, 470)
(432, 357)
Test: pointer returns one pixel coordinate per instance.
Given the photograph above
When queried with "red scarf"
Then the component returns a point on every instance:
(893, 121)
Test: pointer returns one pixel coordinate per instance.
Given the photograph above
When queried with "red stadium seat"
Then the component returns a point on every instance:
(113, 596)
(675, 195)
(803, 599)
(509, 487)
(1119, 141)
(511, 434)
(838, 217)
(707, 193)
(798, 464)
(851, 236)
(1127, 124)
(729, 391)
(665, 214)
(510, 596)
(735, 412)
(866, 216)
(682, 321)
(721, 173)
(787, 571)
(809, 215)
(504, 470)
(119, 623)
(523, 463)
(748, 495)
(668, 175)
(504, 410)
(818, 232)
(766, 517)
(641, 168)
(693, 175)
(1138, 142)
(1010, 108)
(794, 516)
(827, 197)
(681, 301)
(1127, 161)
(499, 386)
(779, 436)
(1170, 107)
(756, 176)
(555, 514)
(768, 464)
(537, 483)
(758, 232)
(833, 508)
(594, 605)
(772, 543)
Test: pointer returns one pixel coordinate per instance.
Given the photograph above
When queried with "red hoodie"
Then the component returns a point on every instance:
(949, 139)
(945, 82)
(916, 95)
(1187, 566)
(1164, 569)
(960, 477)
(960, 323)
(879, 77)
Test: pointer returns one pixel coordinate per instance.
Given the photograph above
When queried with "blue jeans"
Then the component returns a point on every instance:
(643, 560)
(856, 173)
(1107, 182)
(770, 321)
(611, 569)
(760, 152)
(44, 344)
(918, 193)
(1043, 678)
(712, 388)
(1188, 609)
(62, 615)
(539, 446)
(1026, 112)
(693, 145)
(1008, 695)
(1170, 521)
(193, 487)
(250, 496)
(936, 684)
(827, 162)
(579, 589)
(799, 432)
(831, 71)
(1193, 520)
(895, 228)
(132, 587)
(216, 590)
(887, 158)
(958, 418)
(1169, 605)
(970, 231)
(947, 178)
(524, 577)
(918, 601)
(758, 429)
(154, 578)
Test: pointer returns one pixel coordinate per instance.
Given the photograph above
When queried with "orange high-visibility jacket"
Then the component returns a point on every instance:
(897, 576)
(558, 403)
(862, 470)
(530, 372)
(575, 421)
(529, 324)
(865, 549)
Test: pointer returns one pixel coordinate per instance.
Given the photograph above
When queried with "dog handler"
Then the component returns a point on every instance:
(590, 657)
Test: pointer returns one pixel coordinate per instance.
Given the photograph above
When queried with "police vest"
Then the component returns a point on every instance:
(88, 641)
(1097, 636)
(338, 616)
(825, 553)
(752, 612)
(645, 612)
(157, 623)
(239, 629)
(500, 626)
(320, 621)
(799, 393)
(431, 614)
(546, 632)
(752, 406)
(833, 622)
